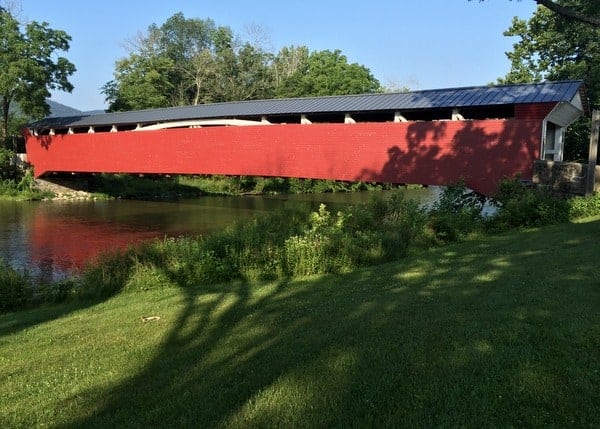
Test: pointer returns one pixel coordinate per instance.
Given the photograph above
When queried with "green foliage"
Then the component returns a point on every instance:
(27, 181)
(327, 73)
(173, 187)
(143, 188)
(30, 66)
(272, 185)
(576, 147)
(175, 64)
(140, 83)
(382, 230)
(317, 249)
(581, 207)
(16, 290)
(553, 47)
(456, 213)
(188, 61)
(9, 170)
(519, 206)
(191, 61)
(16, 182)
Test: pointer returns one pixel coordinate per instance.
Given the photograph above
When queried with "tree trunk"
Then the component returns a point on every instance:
(593, 156)
(4, 130)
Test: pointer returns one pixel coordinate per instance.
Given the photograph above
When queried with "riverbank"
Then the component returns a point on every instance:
(495, 331)
(153, 187)
(276, 244)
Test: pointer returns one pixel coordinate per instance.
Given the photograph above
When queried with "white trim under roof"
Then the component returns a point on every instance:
(198, 123)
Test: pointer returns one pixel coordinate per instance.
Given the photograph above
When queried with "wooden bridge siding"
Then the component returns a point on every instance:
(433, 153)
(533, 110)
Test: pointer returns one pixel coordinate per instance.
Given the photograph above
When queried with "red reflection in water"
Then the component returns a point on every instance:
(67, 243)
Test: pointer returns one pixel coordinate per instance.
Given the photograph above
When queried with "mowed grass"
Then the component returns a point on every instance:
(498, 332)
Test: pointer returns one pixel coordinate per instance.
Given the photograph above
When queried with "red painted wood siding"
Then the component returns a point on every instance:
(533, 111)
(434, 153)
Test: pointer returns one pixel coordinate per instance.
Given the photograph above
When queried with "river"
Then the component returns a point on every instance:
(53, 239)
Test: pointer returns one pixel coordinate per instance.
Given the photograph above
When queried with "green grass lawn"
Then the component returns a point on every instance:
(499, 332)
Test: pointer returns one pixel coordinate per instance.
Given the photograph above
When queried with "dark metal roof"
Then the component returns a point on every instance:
(545, 92)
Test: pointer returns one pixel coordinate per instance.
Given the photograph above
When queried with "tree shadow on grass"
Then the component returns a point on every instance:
(501, 335)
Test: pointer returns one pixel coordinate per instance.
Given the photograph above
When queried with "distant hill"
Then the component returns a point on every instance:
(58, 110)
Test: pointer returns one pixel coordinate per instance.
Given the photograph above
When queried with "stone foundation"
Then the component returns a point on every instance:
(566, 178)
(75, 188)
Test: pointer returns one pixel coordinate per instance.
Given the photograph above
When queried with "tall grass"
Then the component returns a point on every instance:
(15, 288)
(16, 181)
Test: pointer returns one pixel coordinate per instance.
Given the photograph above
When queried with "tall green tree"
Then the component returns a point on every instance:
(191, 61)
(30, 67)
(188, 61)
(165, 66)
(553, 46)
(288, 61)
(141, 82)
(244, 74)
(327, 73)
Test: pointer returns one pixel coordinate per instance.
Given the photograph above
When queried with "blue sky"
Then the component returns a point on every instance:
(421, 44)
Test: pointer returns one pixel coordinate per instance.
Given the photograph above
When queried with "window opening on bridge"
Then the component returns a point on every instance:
(552, 142)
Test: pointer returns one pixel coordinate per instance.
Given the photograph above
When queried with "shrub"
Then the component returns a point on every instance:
(27, 181)
(456, 213)
(403, 224)
(9, 170)
(15, 289)
(321, 247)
(107, 275)
(55, 293)
(580, 207)
(271, 185)
(519, 206)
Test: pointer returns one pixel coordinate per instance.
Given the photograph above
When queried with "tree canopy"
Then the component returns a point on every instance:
(190, 61)
(590, 14)
(556, 47)
(553, 47)
(327, 73)
(30, 67)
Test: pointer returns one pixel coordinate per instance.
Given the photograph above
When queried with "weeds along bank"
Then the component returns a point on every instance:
(15, 182)
(297, 242)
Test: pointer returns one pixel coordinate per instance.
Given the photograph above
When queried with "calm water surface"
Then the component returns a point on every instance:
(53, 239)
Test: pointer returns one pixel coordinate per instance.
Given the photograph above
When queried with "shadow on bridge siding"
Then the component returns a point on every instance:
(405, 344)
(479, 152)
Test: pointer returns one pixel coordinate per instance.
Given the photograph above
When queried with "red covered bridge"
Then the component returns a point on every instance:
(435, 137)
